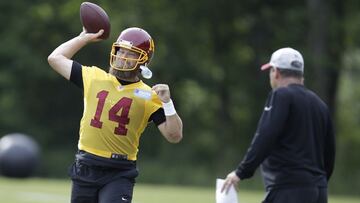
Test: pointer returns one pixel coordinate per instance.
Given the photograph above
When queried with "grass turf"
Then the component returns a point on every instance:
(36, 190)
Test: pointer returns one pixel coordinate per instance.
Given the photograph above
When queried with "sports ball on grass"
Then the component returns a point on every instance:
(94, 18)
(19, 155)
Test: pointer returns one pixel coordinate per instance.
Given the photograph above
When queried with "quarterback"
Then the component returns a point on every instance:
(118, 106)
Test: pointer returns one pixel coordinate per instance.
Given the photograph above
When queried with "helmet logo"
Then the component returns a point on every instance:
(126, 43)
(151, 48)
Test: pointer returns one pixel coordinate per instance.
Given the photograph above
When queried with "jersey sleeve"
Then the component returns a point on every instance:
(153, 105)
(76, 74)
(271, 124)
(158, 117)
(82, 76)
(90, 73)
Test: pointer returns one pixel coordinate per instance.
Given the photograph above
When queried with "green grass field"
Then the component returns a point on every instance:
(57, 191)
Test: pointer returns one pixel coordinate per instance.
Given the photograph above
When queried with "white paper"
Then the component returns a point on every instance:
(221, 197)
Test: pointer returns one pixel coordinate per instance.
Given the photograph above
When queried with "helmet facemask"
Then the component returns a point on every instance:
(125, 57)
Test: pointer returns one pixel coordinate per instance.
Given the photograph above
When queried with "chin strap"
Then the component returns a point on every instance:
(145, 72)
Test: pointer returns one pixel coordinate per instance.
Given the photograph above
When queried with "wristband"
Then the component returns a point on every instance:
(169, 108)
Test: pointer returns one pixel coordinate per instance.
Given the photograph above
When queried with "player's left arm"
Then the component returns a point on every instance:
(270, 126)
(171, 129)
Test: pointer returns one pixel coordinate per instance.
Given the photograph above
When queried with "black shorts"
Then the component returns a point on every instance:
(99, 184)
(297, 195)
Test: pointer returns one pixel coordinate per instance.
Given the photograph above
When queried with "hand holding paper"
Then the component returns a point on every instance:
(231, 180)
(223, 197)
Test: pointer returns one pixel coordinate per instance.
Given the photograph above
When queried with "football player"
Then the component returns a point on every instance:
(118, 106)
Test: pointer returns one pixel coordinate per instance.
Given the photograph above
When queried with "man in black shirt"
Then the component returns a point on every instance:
(294, 141)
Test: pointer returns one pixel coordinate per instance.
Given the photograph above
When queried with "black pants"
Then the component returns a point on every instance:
(297, 195)
(94, 184)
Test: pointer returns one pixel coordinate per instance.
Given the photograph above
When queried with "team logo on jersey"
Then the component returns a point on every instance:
(120, 88)
(267, 108)
(142, 94)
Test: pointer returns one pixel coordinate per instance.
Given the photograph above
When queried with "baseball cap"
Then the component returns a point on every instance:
(286, 58)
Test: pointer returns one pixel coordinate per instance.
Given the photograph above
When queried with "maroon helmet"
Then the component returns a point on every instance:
(136, 40)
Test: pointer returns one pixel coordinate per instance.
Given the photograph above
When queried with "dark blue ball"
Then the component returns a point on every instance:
(19, 155)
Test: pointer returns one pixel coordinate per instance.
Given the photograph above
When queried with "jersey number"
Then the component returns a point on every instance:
(122, 119)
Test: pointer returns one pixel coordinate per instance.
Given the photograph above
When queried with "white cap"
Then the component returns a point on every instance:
(286, 58)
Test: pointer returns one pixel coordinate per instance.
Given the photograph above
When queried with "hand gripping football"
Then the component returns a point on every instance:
(94, 18)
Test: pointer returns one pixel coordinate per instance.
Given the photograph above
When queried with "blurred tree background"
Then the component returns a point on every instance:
(209, 52)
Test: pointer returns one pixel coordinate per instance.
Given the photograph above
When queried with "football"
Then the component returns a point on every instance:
(94, 18)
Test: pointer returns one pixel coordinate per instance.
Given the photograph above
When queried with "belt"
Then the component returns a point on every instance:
(113, 155)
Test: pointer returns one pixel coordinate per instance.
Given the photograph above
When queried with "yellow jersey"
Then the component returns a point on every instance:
(115, 115)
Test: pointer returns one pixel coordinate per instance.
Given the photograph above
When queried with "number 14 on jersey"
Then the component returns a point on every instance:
(123, 119)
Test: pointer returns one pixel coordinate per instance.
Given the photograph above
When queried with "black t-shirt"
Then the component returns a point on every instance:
(158, 117)
(294, 141)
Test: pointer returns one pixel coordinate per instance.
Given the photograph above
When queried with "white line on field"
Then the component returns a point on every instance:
(42, 197)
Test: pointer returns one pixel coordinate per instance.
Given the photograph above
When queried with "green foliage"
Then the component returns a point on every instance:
(348, 121)
(349, 117)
